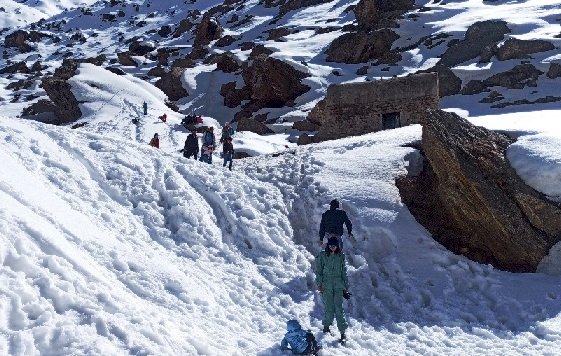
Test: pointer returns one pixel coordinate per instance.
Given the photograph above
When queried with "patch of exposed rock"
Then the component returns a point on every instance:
(252, 125)
(269, 83)
(554, 71)
(371, 13)
(170, 83)
(58, 90)
(480, 38)
(517, 78)
(473, 202)
(517, 49)
(362, 46)
(208, 30)
(448, 82)
(19, 39)
(18, 67)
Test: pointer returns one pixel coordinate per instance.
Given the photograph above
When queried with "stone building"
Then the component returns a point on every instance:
(358, 108)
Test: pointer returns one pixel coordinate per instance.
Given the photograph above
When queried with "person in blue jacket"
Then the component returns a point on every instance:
(301, 342)
(332, 222)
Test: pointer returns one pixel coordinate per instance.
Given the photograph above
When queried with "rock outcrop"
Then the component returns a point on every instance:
(58, 90)
(208, 30)
(479, 39)
(248, 124)
(362, 46)
(517, 49)
(170, 83)
(473, 202)
(517, 78)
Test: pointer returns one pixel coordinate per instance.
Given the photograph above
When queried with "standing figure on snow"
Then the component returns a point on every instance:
(332, 223)
(332, 283)
(228, 152)
(145, 108)
(227, 131)
(209, 142)
(155, 141)
(191, 147)
(301, 342)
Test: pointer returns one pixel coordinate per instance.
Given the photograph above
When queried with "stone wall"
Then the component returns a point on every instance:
(357, 108)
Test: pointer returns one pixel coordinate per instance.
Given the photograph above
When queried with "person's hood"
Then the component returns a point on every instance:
(293, 325)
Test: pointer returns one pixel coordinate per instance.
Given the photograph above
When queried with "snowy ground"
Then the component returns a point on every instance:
(111, 248)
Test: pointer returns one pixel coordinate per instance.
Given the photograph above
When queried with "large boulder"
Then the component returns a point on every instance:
(19, 39)
(554, 71)
(253, 125)
(363, 46)
(523, 75)
(448, 82)
(479, 38)
(170, 83)
(473, 202)
(269, 82)
(208, 30)
(517, 49)
(368, 13)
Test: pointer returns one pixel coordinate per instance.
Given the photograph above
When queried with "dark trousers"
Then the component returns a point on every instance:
(228, 158)
(189, 154)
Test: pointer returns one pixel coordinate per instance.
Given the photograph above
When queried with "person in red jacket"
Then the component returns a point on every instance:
(155, 141)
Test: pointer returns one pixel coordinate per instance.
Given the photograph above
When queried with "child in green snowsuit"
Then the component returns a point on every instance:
(331, 279)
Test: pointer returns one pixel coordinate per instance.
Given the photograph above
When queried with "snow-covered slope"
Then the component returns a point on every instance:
(21, 13)
(123, 249)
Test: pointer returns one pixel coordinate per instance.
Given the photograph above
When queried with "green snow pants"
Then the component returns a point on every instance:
(333, 304)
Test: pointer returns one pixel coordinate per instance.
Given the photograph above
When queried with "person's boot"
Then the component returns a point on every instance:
(326, 330)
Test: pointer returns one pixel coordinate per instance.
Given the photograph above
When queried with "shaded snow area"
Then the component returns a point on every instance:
(20, 13)
(112, 249)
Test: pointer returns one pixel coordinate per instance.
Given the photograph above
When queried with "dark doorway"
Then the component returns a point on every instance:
(390, 120)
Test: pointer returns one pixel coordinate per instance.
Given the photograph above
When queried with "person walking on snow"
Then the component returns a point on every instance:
(227, 131)
(332, 223)
(191, 147)
(209, 142)
(332, 283)
(145, 108)
(228, 152)
(155, 141)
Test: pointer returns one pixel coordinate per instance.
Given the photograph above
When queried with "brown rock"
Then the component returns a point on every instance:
(478, 39)
(515, 48)
(125, 59)
(554, 71)
(208, 30)
(448, 82)
(361, 47)
(305, 125)
(473, 202)
(58, 90)
(225, 41)
(233, 97)
(304, 139)
(170, 83)
(253, 126)
(18, 67)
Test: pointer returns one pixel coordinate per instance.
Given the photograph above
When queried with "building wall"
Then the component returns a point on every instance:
(357, 108)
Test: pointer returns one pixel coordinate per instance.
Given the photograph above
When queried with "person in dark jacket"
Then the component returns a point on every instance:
(332, 283)
(228, 152)
(145, 108)
(332, 223)
(155, 141)
(301, 342)
(191, 146)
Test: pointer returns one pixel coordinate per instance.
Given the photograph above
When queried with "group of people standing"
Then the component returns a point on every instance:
(209, 145)
(331, 280)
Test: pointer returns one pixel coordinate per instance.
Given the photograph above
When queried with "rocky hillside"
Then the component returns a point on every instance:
(272, 60)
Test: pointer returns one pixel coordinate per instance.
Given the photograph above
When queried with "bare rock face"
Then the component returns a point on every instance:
(305, 125)
(19, 39)
(253, 125)
(40, 107)
(479, 38)
(269, 82)
(170, 84)
(517, 78)
(225, 62)
(473, 202)
(368, 13)
(208, 30)
(554, 71)
(141, 48)
(362, 46)
(125, 59)
(18, 67)
(58, 90)
(514, 48)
